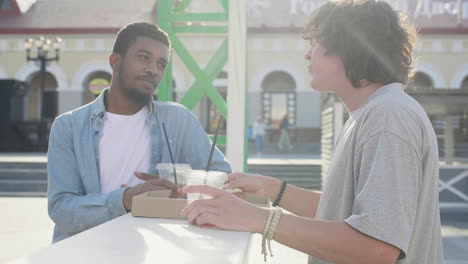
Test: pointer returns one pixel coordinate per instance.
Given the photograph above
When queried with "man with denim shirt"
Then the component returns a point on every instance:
(104, 153)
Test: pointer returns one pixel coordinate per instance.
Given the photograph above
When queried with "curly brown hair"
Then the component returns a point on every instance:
(373, 41)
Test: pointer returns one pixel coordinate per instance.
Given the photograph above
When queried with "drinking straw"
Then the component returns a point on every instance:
(170, 152)
(214, 143)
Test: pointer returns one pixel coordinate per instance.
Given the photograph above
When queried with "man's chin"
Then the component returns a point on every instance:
(140, 96)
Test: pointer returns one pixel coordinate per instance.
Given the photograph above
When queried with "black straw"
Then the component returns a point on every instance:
(214, 143)
(170, 153)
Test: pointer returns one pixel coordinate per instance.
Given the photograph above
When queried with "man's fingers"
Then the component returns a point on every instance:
(238, 183)
(235, 176)
(145, 176)
(164, 183)
(197, 203)
(240, 195)
(199, 210)
(207, 220)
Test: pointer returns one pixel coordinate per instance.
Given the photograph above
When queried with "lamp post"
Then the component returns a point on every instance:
(42, 51)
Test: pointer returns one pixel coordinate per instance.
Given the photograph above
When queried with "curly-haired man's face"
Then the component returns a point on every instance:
(326, 71)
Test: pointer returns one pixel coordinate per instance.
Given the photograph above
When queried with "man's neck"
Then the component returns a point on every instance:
(116, 102)
(353, 97)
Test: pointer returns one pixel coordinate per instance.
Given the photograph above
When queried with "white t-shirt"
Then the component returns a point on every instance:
(125, 147)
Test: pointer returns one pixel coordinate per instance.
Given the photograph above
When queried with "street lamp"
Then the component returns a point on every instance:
(42, 51)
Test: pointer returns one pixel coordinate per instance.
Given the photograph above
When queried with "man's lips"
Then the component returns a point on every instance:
(149, 80)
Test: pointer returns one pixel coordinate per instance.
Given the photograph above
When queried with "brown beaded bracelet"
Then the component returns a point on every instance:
(280, 194)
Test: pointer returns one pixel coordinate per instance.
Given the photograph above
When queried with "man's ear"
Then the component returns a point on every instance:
(114, 61)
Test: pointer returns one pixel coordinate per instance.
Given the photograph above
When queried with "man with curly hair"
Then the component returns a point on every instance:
(380, 199)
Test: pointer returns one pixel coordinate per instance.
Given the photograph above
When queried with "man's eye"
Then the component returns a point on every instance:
(144, 57)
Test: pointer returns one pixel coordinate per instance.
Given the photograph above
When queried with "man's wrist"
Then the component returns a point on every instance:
(127, 199)
(259, 225)
(273, 187)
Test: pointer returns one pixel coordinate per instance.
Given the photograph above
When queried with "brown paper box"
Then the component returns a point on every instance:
(157, 204)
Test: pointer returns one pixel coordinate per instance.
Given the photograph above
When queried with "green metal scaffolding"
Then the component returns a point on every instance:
(173, 18)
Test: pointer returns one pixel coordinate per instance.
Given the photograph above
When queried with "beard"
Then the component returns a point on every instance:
(132, 93)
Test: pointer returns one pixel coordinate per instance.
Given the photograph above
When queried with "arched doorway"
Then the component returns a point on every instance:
(209, 114)
(94, 84)
(279, 98)
(421, 81)
(33, 98)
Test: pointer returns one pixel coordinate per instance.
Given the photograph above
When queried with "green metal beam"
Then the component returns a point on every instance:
(169, 13)
(182, 5)
(225, 5)
(165, 89)
(201, 29)
(203, 82)
(220, 141)
(197, 17)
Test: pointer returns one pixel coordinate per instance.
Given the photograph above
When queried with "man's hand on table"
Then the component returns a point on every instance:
(224, 211)
(152, 183)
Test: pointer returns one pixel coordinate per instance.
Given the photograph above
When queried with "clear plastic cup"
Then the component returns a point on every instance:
(212, 178)
(194, 181)
(166, 171)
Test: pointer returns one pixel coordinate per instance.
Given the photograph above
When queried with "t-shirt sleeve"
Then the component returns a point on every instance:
(388, 175)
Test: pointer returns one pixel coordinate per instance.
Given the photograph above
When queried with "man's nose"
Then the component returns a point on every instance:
(153, 71)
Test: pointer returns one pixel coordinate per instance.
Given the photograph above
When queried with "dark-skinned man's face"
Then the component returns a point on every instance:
(142, 68)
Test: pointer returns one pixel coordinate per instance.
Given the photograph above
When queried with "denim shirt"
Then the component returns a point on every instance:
(75, 201)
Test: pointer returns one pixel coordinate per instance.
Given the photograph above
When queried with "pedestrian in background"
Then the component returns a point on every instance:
(259, 133)
(283, 143)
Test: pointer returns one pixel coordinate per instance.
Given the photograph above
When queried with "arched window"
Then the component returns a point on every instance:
(33, 97)
(279, 98)
(421, 81)
(221, 84)
(94, 84)
(209, 114)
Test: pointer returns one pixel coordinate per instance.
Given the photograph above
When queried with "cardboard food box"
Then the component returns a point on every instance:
(157, 204)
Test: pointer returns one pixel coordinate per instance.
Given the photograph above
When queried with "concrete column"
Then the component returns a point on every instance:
(237, 84)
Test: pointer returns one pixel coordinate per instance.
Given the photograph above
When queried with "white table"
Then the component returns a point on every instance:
(130, 239)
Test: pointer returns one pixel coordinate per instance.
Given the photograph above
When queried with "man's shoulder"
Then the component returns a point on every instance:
(172, 109)
(75, 115)
(169, 105)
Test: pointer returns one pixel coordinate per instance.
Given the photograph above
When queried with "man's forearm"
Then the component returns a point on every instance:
(333, 241)
(73, 213)
(296, 200)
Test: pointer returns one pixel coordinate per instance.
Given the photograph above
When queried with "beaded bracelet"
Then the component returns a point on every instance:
(265, 233)
(269, 231)
(280, 194)
(274, 223)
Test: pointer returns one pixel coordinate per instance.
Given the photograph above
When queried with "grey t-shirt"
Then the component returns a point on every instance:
(383, 177)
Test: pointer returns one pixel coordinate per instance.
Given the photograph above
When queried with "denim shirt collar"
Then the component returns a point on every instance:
(97, 119)
(99, 106)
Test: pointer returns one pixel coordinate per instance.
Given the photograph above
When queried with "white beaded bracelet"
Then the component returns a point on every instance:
(265, 233)
(269, 230)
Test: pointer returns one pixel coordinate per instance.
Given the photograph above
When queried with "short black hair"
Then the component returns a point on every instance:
(129, 33)
(373, 41)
